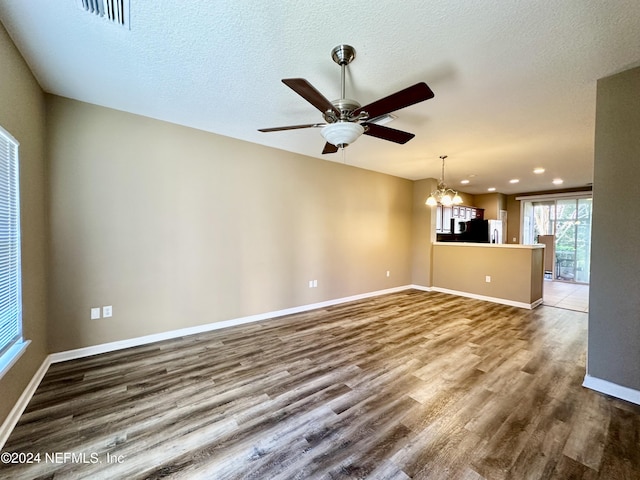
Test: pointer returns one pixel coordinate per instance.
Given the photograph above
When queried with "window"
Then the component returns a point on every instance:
(11, 343)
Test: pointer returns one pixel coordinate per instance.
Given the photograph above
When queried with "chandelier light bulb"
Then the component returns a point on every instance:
(443, 195)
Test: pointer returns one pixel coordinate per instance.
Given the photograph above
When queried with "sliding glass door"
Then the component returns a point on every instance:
(544, 214)
(569, 220)
(582, 239)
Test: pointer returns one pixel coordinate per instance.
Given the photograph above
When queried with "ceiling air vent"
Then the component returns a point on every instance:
(116, 11)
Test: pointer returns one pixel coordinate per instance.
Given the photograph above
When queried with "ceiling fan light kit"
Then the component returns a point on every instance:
(345, 119)
(342, 134)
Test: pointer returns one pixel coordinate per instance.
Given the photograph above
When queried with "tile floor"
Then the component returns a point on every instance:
(571, 296)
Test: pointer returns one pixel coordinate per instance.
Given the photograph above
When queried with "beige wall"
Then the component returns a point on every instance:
(22, 115)
(516, 272)
(175, 227)
(513, 219)
(492, 203)
(614, 322)
(423, 232)
(468, 200)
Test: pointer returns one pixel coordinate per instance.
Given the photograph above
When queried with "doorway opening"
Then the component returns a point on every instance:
(565, 224)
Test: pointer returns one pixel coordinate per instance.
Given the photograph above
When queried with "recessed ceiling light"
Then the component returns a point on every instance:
(514, 180)
(491, 189)
(464, 182)
(538, 171)
(557, 181)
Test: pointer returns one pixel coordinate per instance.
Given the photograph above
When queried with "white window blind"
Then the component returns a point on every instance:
(11, 344)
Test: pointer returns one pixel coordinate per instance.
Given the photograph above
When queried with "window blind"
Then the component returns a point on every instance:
(10, 271)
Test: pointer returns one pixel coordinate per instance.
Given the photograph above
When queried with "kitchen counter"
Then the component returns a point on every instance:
(511, 274)
(537, 246)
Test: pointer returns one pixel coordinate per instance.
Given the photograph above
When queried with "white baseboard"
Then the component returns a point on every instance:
(420, 287)
(538, 302)
(134, 342)
(14, 415)
(502, 301)
(613, 389)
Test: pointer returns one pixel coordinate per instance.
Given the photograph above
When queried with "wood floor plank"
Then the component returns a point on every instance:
(588, 433)
(413, 384)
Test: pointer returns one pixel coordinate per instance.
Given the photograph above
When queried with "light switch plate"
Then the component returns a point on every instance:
(95, 313)
(107, 311)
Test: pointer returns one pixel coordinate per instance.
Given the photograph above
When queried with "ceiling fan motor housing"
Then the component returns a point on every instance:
(345, 106)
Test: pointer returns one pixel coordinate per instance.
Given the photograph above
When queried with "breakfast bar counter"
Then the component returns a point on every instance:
(511, 274)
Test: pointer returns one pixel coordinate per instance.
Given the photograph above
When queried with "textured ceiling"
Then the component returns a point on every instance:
(514, 81)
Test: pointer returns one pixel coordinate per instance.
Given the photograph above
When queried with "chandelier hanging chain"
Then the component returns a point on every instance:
(442, 177)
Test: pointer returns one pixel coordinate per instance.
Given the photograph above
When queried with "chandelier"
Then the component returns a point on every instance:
(443, 195)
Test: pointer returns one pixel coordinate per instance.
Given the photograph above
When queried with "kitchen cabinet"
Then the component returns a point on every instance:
(446, 216)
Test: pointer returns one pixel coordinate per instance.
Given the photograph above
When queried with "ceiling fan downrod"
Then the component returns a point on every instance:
(343, 55)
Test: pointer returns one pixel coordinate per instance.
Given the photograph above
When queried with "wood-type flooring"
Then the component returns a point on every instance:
(414, 384)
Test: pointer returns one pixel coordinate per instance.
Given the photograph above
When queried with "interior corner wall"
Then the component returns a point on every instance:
(491, 203)
(423, 233)
(22, 114)
(513, 219)
(614, 303)
(175, 227)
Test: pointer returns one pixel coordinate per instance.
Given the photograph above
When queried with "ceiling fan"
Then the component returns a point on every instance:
(344, 119)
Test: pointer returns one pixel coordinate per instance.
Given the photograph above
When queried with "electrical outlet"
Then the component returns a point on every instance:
(107, 311)
(388, 273)
(95, 313)
(315, 283)
(487, 278)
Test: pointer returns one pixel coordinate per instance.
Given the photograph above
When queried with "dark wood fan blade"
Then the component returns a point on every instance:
(310, 94)
(386, 133)
(409, 96)
(291, 127)
(329, 148)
